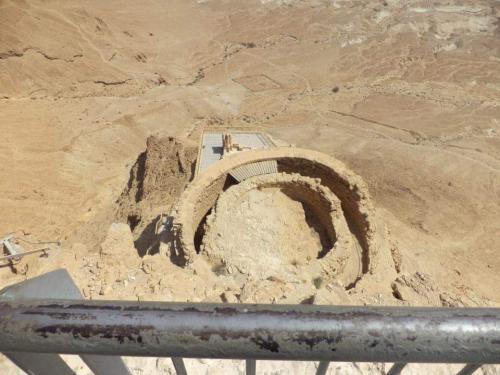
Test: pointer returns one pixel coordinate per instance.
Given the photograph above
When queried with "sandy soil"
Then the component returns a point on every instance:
(406, 93)
(267, 226)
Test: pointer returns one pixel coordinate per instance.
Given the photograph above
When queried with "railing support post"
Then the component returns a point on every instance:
(396, 369)
(468, 369)
(251, 366)
(322, 368)
(180, 367)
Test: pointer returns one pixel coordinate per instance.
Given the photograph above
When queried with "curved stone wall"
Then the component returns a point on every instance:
(203, 192)
(338, 257)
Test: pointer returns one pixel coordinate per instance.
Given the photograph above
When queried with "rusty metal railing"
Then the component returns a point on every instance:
(251, 332)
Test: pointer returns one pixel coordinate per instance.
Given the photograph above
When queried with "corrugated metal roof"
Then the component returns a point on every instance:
(254, 169)
(212, 150)
(252, 140)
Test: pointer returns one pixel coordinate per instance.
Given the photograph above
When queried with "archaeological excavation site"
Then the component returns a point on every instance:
(278, 214)
(253, 215)
(272, 187)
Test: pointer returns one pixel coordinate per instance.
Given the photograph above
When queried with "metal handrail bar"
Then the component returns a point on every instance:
(285, 332)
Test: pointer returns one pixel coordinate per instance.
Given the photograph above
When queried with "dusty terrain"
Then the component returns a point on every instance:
(405, 93)
(263, 224)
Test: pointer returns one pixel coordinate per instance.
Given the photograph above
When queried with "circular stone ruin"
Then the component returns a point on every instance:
(281, 223)
(314, 217)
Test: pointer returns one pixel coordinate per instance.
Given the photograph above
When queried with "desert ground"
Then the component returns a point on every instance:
(102, 105)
